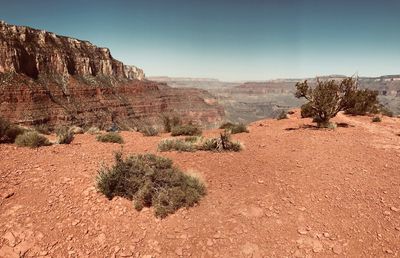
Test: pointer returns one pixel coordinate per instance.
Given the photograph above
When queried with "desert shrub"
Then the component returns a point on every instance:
(76, 130)
(192, 139)
(149, 131)
(221, 143)
(307, 110)
(234, 128)
(282, 115)
(93, 130)
(177, 145)
(361, 102)
(330, 97)
(64, 135)
(110, 137)
(150, 180)
(12, 133)
(376, 119)
(227, 125)
(31, 139)
(8, 131)
(189, 130)
(170, 122)
(42, 129)
(4, 126)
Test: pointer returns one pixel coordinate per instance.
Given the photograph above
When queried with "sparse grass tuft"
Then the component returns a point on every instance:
(234, 128)
(42, 129)
(177, 145)
(8, 131)
(31, 139)
(110, 137)
(150, 180)
(93, 130)
(221, 143)
(64, 135)
(189, 130)
(149, 131)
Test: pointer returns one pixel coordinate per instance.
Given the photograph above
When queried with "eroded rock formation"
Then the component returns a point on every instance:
(46, 78)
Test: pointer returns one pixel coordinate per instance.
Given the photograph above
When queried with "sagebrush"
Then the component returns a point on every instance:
(150, 180)
(32, 139)
(188, 130)
(110, 137)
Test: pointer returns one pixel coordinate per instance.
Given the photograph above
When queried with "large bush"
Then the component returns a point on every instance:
(149, 131)
(362, 102)
(188, 130)
(150, 180)
(32, 139)
(330, 97)
(110, 137)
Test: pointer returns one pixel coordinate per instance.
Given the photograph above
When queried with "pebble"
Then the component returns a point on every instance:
(209, 242)
(395, 209)
(337, 249)
(179, 251)
(302, 231)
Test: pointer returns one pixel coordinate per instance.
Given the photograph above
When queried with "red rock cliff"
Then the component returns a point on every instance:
(45, 78)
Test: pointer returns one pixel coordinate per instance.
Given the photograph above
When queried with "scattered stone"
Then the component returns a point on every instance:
(10, 238)
(8, 252)
(394, 209)
(209, 242)
(326, 234)
(302, 231)
(126, 253)
(337, 249)
(75, 222)
(386, 213)
(179, 251)
(8, 195)
(389, 251)
(260, 181)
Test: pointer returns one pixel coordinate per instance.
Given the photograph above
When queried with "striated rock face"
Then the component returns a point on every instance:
(35, 52)
(45, 78)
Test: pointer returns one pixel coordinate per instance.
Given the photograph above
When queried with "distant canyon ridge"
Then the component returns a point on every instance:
(251, 101)
(56, 80)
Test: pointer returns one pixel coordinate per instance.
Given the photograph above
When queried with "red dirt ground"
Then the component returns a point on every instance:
(293, 192)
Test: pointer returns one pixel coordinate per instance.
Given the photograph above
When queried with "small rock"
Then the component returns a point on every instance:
(179, 251)
(125, 254)
(260, 181)
(389, 251)
(337, 249)
(10, 238)
(386, 213)
(209, 242)
(75, 222)
(302, 231)
(326, 234)
(395, 209)
(8, 195)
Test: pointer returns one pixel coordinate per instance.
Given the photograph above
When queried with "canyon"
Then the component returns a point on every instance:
(50, 79)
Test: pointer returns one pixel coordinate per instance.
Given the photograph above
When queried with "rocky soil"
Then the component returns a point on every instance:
(293, 192)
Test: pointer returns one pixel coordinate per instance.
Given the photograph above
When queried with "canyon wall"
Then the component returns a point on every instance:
(51, 79)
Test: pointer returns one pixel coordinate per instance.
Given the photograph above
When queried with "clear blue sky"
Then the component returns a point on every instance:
(228, 39)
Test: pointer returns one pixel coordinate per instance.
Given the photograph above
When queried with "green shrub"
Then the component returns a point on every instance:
(189, 130)
(330, 97)
(282, 115)
(386, 112)
(76, 130)
(149, 131)
(307, 111)
(64, 135)
(42, 129)
(376, 119)
(176, 145)
(192, 139)
(110, 137)
(31, 139)
(150, 180)
(361, 102)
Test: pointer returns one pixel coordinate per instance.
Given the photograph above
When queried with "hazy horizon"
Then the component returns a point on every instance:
(229, 40)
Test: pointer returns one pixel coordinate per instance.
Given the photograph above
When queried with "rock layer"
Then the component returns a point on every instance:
(45, 78)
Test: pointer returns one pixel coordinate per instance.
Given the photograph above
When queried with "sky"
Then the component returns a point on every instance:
(229, 40)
